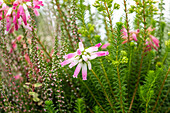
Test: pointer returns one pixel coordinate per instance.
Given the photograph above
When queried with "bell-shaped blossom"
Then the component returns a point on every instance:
(132, 35)
(105, 45)
(151, 42)
(82, 58)
(150, 29)
(3, 9)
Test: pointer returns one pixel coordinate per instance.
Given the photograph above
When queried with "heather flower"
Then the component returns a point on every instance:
(82, 58)
(151, 41)
(132, 35)
(18, 77)
(105, 45)
(14, 45)
(17, 12)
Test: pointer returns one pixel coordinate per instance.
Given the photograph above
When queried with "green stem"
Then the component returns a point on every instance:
(163, 99)
(120, 88)
(107, 79)
(149, 92)
(73, 88)
(93, 96)
(150, 59)
(165, 56)
(43, 48)
(68, 33)
(79, 108)
(161, 89)
(103, 89)
(129, 55)
(141, 61)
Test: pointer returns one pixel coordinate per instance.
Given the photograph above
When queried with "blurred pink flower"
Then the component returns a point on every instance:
(18, 77)
(150, 29)
(132, 35)
(82, 58)
(14, 45)
(105, 45)
(18, 12)
(27, 58)
(151, 41)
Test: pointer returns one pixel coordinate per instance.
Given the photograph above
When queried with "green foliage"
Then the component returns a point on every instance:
(79, 106)
(97, 109)
(49, 107)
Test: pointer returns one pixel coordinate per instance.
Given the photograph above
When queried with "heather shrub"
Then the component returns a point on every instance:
(59, 56)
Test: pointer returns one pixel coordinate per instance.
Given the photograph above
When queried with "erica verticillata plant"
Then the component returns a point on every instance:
(125, 70)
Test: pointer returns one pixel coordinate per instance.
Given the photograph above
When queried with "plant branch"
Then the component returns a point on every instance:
(93, 96)
(60, 13)
(103, 89)
(129, 55)
(107, 79)
(141, 62)
(109, 16)
(161, 90)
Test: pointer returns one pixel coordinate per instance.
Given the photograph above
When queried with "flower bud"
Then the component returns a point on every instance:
(123, 53)
(167, 44)
(124, 60)
(115, 63)
(168, 33)
(132, 44)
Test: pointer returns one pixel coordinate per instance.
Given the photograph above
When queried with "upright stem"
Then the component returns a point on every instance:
(129, 55)
(60, 13)
(106, 27)
(164, 99)
(141, 62)
(127, 21)
(107, 79)
(43, 48)
(73, 88)
(161, 90)
(93, 96)
(120, 88)
(103, 89)
(109, 16)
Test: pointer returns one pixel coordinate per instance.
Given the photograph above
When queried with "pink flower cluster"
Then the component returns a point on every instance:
(132, 35)
(17, 11)
(82, 57)
(14, 45)
(151, 41)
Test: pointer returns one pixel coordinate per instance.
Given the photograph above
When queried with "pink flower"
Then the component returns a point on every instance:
(14, 45)
(82, 58)
(98, 45)
(27, 58)
(18, 12)
(150, 29)
(154, 40)
(105, 45)
(132, 35)
(151, 42)
(17, 77)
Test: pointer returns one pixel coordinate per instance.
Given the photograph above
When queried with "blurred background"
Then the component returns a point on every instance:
(47, 22)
